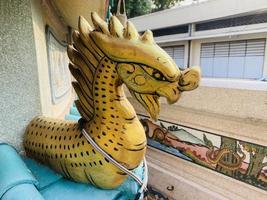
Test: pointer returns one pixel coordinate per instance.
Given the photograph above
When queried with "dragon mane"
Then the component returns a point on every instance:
(90, 47)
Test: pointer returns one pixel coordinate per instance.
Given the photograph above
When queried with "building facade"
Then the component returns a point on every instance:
(227, 39)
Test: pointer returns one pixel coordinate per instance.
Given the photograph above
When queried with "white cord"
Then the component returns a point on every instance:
(143, 184)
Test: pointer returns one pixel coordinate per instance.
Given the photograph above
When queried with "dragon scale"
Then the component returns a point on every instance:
(102, 60)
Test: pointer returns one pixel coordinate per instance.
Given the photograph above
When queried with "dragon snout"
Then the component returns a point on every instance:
(189, 80)
(171, 92)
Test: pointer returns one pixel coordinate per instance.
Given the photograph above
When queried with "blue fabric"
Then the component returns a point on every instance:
(19, 181)
(69, 190)
(23, 192)
(13, 170)
(130, 186)
(43, 174)
(51, 183)
(74, 114)
(72, 117)
(74, 111)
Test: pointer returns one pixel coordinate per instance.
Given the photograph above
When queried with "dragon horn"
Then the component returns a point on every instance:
(115, 27)
(84, 27)
(147, 36)
(100, 24)
(130, 32)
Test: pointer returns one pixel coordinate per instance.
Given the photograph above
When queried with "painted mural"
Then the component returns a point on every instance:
(58, 61)
(241, 160)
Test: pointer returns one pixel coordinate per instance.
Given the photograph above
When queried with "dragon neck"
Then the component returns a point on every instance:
(110, 101)
(107, 86)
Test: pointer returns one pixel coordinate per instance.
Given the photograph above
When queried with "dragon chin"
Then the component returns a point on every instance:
(150, 102)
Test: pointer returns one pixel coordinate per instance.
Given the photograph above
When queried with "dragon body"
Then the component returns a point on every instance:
(102, 60)
(216, 157)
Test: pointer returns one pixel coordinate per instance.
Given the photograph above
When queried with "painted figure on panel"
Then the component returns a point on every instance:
(238, 159)
(102, 60)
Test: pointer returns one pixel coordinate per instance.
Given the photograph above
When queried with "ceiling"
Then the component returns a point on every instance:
(71, 10)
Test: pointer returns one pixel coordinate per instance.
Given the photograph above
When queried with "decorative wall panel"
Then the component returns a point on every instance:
(58, 67)
(238, 159)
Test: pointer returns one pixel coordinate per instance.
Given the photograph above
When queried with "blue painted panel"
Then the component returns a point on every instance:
(206, 66)
(253, 67)
(220, 67)
(170, 150)
(236, 67)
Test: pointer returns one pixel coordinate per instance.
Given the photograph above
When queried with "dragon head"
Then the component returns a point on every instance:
(145, 68)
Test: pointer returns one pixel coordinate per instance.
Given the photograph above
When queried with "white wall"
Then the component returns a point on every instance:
(19, 86)
(24, 79)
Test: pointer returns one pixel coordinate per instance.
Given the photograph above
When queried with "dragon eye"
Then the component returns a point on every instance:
(157, 75)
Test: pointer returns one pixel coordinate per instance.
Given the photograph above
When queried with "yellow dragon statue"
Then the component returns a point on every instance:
(102, 60)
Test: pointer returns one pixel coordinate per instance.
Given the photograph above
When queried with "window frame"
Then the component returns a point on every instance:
(205, 55)
(184, 54)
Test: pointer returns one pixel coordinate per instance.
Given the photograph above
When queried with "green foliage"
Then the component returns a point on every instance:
(134, 7)
(164, 4)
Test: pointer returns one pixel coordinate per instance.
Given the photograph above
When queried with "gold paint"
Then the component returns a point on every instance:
(103, 60)
(140, 80)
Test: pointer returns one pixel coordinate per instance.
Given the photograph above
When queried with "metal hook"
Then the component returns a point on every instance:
(170, 188)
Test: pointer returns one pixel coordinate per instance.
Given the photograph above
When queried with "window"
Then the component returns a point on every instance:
(236, 59)
(232, 22)
(170, 30)
(177, 54)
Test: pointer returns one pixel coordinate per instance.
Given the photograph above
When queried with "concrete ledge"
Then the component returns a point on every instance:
(191, 181)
